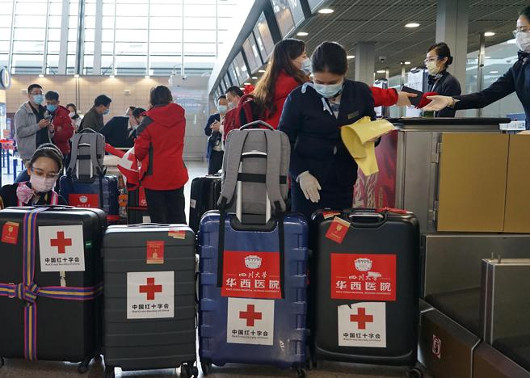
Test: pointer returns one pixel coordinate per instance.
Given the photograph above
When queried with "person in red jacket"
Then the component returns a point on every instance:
(62, 124)
(159, 147)
(289, 68)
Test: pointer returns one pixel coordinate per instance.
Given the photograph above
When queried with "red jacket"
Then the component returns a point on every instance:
(159, 147)
(63, 129)
(284, 85)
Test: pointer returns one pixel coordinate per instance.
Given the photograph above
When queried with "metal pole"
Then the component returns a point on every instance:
(216, 28)
(12, 37)
(45, 52)
(147, 64)
(80, 38)
(402, 83)
(182, 43)
(480, 66)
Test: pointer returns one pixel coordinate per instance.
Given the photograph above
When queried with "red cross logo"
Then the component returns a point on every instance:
(61, 243)
(361, 318)
(150, 289)
(250, 315)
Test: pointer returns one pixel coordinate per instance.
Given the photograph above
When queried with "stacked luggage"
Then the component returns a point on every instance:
(137, 206)
(205, 192)
(252, 296)
(85, 183)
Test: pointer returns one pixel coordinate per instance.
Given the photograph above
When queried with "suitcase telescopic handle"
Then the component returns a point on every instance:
(256, 125)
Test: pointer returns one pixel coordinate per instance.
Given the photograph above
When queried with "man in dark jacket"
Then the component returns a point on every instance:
(214, 152)
(93, 119)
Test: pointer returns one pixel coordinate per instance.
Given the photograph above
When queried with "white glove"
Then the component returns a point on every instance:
(404, 98)
(310, 186)
(438, 103)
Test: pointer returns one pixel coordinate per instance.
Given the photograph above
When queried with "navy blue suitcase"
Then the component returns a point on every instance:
(258, 316)
(102, 193)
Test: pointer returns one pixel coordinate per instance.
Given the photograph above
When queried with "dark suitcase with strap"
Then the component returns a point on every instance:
(364, 286)
(204, 195)
(150, 296)
(137, 207)
(50, 283)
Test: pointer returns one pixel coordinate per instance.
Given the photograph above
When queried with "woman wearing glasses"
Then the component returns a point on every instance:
(515, 80)
(440, 81)
(43, 169)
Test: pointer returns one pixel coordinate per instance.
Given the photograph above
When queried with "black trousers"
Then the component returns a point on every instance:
(166, 206)
(216, 162)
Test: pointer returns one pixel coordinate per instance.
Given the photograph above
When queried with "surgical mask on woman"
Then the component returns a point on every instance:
(222, 108)
(306, 66)
(41, 184)
(71, 114)
(432, 67)
(522, 40)
(328, 90)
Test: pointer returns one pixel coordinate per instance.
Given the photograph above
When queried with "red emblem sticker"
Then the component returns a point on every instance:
(337, 230)
(363, 277)
(83, 200)
(141, 197)
(155, 252)
(10, 233)
(176, 234)
(251, 274)
(330, 214)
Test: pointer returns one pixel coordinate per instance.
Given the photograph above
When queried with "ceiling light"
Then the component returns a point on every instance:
(111, 76)
(247, 84)
(302, 34)
(325, 11)
(262, 71)
(254, 78)
(147, 76)
(407, 62)
(381, 71)
(494, 72)
(350, 56)
(412, 25)
(41, 75)
(489, 34)
(76, 76)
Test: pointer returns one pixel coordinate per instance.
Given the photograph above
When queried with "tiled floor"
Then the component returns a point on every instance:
(40, 369)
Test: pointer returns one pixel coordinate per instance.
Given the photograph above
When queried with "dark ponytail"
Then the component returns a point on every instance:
(330, 57)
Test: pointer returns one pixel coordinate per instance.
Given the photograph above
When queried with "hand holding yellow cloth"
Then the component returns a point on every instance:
(359, 139)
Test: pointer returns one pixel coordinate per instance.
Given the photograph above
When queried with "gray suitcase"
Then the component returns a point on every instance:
(149, 298)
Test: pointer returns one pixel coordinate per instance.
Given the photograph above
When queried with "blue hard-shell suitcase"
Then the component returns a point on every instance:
(240, 322)
(101, 193)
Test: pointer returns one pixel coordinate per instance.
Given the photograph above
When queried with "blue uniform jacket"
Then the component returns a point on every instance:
(517, 79)
(447, 85)
(314, 133)
(213, 135)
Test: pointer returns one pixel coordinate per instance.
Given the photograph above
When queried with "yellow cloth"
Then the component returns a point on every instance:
(359, 140)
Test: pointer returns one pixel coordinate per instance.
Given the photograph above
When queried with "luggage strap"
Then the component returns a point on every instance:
(221, 248)
(29, 291)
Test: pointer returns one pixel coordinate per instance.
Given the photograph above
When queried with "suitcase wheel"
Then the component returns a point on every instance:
(109, 372)
(300, 373)
(206, 367)
(415, 373)
(83, 366)
(188, 371)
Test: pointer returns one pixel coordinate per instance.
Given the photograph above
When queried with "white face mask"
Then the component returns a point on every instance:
(71, 114)
(306, 66)
(522, 40)
(41, 184)
(328, 90)
(432, 68)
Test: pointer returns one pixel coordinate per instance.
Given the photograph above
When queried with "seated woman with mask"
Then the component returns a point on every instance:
(43, 169)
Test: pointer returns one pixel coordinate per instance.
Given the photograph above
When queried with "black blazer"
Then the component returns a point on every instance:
(215, 136)
(515, 79)
(314, 133)
(447, 85)
(116, 132)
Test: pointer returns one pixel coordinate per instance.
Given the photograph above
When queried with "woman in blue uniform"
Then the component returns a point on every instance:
(322, 170)
(515, 80)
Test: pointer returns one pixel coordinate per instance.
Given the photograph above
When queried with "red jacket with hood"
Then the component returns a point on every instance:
(63, 129)
(159, 147)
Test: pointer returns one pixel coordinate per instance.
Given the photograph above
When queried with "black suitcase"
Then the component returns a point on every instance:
(364, 286)
(50, 283)
(204, 195)
(149, 305)
(137, 207)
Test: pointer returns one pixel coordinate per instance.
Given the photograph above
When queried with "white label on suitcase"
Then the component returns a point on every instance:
(146, 219)
(150, 295)
(193, 203)
(250, 321)
(362, 325)
(61, 248)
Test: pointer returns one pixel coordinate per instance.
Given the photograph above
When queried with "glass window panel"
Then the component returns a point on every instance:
(3, 59)
(107, 47)
(72, 47)
(165, 35)
(90, 22)
(88, 61)
(72, 34)
(165, 23)
(131, 22)
(194, 23)
(124, 10)
(4, 45)
(165, 48)
(131, 48)
(5, 20)
(53, 47)
(199, 48)
(28, 47)
(52, 64)
(164, 61)
(54, 34)
(23, 21)
(34, 7)
(199, 10)
(27, 60)
(54, 21)
(70, 61)
(89, 48)
(165, 10)
(72, 21)
(5, 34)
(130, 61)
(107, 35)
(89, 35)
(131, 35)
(108, 22)
(106, 61)
(90, 8)
(199, 36)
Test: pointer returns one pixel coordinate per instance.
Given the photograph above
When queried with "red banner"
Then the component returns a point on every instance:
(251, 274)
(363, 277)
(83, 200)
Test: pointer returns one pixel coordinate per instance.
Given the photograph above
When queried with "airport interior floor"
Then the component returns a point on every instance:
(43, 369)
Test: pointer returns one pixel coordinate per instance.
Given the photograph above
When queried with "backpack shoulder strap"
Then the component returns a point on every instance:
(272, 180)
(234, 149)
(73, 153)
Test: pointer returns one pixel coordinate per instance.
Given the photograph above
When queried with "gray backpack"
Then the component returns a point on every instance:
(86, 158)
(255, 170)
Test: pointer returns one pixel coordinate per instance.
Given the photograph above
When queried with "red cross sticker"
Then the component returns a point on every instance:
(150, 289)
(61, 242)
(361, 318)
(250, 315)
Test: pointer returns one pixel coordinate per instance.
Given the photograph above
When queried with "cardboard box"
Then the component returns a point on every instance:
(472, 182)
(517, 212)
